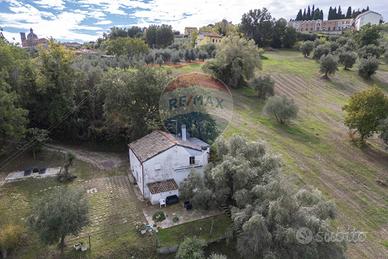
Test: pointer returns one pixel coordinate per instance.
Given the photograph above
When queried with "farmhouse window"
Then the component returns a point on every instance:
(192, 160)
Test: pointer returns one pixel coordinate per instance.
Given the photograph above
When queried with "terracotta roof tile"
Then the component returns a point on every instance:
(159, 141)
(162, 186)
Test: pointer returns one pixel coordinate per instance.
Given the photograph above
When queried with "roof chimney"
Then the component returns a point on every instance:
(184, 134)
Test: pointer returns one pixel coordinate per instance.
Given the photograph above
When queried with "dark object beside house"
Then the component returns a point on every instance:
(172, 199)
(42, 170)
(188, 205)
(35, 170)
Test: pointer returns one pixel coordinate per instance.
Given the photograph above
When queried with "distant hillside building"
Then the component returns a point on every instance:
(336, 26)
(32, 41)
(190, 30)
(207, 38)
(368, 17)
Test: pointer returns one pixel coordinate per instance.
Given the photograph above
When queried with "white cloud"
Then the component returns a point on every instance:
(105, 22)
(55, 4)
(61, 26)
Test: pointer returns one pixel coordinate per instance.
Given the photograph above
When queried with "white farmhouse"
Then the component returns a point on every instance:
(368, 17)
(160, 161)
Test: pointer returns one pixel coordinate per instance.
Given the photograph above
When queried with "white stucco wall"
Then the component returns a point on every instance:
(368, 18)
(173, 163)
(136, 169)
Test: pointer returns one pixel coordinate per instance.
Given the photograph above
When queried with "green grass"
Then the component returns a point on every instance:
(209, 229)
(315, 148)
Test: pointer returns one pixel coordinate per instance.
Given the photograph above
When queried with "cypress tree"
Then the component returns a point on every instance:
(321, 15)
(308, 13)
(304, 15)
(330, 14)
(299, 16)
(349, 13)
(339, 15)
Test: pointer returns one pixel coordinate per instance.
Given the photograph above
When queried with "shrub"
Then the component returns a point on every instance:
(191, 248)
(175, 57)
(202, 55)
(159, 61)
(10, 238)
(367, 67)
(321, 50)
(307, 47)
(347, 59)
(264, 86)
(328, 65)
(159, 216)
(281, 108)
(175, 219)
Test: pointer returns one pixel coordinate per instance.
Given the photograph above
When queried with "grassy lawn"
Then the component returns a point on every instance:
(209, 229)
(114, 211)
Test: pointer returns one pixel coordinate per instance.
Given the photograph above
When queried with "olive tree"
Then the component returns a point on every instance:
(235, 62)
(347, 59)
(368, 67)
(282, 108)
(264, 86)
(307, 47)
(328, 65)
(266, 210)
(64, 212)
(321, 50)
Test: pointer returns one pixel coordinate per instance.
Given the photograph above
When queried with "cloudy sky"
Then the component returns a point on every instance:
(86, 20)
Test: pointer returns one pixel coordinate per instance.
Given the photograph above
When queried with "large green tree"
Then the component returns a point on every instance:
(13, 116)
(235, 62)
(64, 212)
(159, 36)
(56, 83)
(365, 110)
(129, 47)
(131, 107)
(258, 25)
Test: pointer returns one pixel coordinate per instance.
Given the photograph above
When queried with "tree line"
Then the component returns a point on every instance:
(333, 13)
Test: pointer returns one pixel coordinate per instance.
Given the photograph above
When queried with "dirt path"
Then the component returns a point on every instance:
(101, 160)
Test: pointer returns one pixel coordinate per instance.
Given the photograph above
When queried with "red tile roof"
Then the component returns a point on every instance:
(162, 186)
